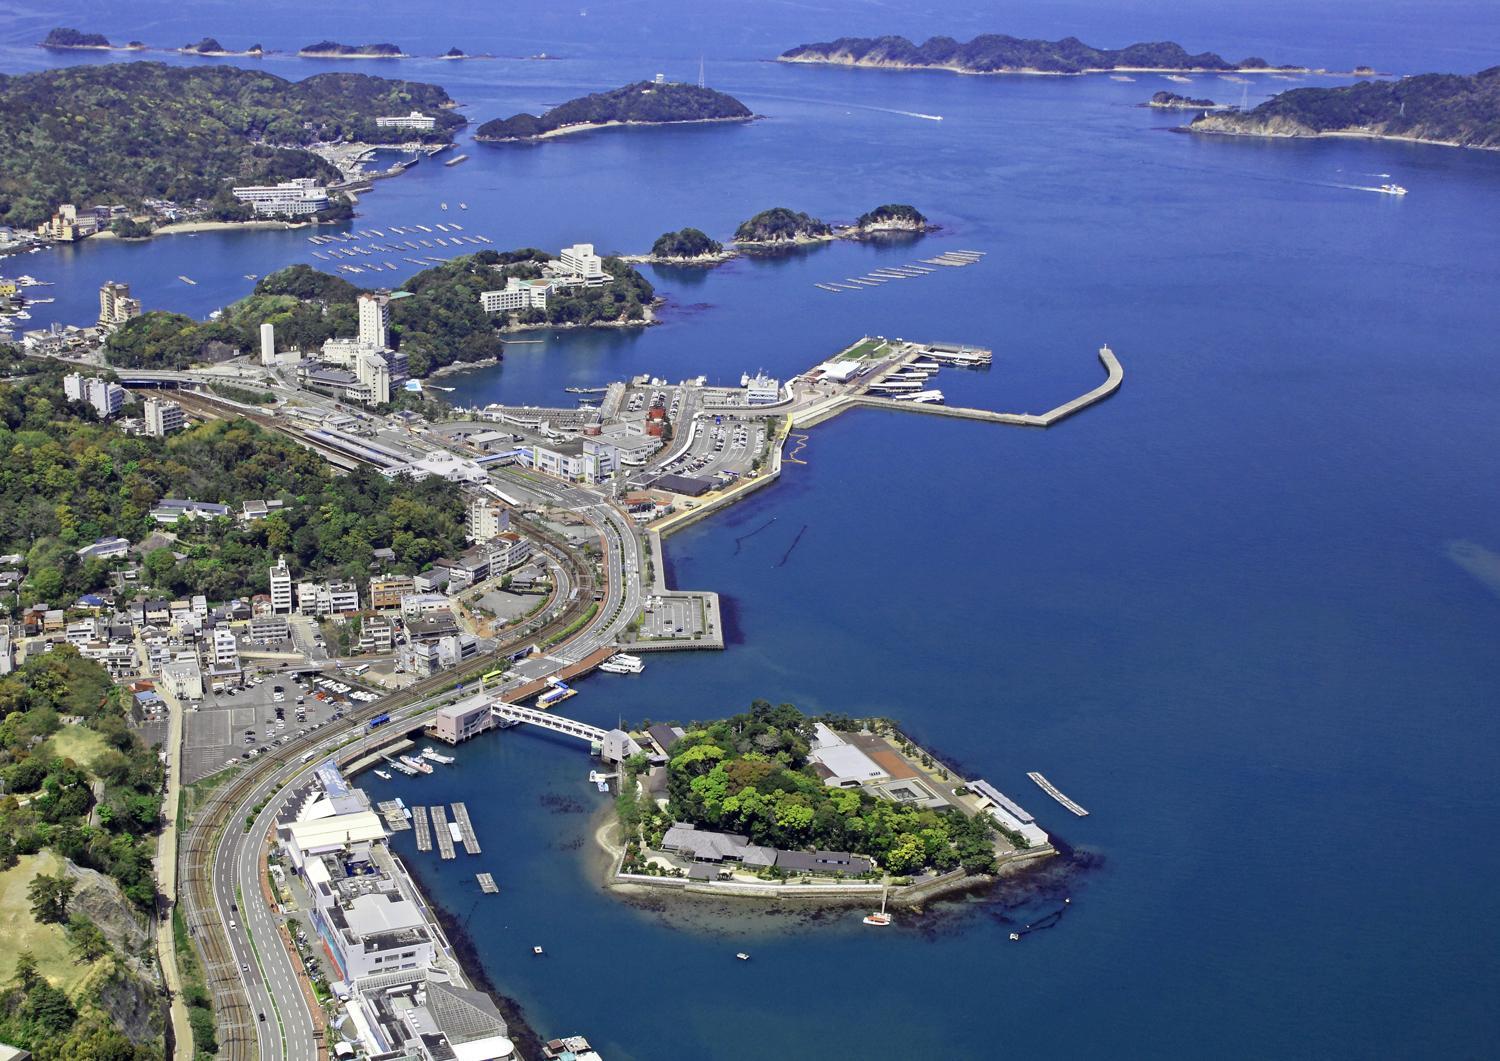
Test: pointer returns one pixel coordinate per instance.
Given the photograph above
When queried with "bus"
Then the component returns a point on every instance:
(379, 720)
(357, 671)
(495, 676)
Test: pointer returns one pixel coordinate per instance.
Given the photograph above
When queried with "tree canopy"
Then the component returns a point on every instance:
(644, 102)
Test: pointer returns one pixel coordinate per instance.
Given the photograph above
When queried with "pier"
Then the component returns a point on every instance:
(487, 883)
(465, 829)
(440, 832)
(424, 836)
(1052, 790)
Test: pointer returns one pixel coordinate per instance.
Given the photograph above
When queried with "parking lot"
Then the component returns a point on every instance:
(215, 732)
(723, 448)
(672, 617)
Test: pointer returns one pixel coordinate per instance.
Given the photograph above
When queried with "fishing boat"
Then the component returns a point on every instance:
(742, 956)
(417, 764)
(437, 757)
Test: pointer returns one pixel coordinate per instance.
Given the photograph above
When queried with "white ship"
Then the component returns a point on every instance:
(622, 664)
(437, 757)
(1392, 189)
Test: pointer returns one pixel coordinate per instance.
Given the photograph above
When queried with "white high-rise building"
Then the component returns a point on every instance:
(73, 387)
(488, 518)
(281, 588)
(226, 649)
(267, 343)
(374, 319)
(580, 260)
(115, 304)
(106, 398)
(163, 417)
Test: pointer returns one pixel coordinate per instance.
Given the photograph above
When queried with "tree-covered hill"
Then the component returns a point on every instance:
(1443, 108)
(994, 53)
(441, 323)
(892, 216)
(65, 37)
(69, 480)
(643, 103)
(124, 132)
(334, 48)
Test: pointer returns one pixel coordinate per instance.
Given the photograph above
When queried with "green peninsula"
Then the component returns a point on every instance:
(643, 103)
(1446, 109)
(1000, 54)
(125, 132)
(443, 322)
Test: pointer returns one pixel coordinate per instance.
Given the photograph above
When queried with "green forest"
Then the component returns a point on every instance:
(1450, 108)
(69, 480)
(441, 323)
(995, 52)
(642, 102)
(892, 214)
(120, 133)
(749, 774)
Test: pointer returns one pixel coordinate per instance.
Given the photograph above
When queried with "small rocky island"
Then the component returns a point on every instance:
(1172, 101)
(688, 246)
(1000, 54)
(211, 46)
(892, 217)
(63, 38)
(1449, 109)
(335, 50)
(780, 226)
(642, 103)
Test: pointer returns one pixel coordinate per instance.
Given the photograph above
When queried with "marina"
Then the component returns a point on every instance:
(1052, 790)
(396, 816)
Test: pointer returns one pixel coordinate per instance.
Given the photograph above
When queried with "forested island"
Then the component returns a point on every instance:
(1449, 109)
(211, 46)
(185, 133)
(63, 38)
(642, 103)
(685, 245)
(1001, 54)
(752, 775)
(69, 479)
(781, 225)
(335, 50)
(441, 324)
(1172, 101)
(892, 217)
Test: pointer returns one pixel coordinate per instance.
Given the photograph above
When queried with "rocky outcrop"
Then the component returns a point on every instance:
(99, 899)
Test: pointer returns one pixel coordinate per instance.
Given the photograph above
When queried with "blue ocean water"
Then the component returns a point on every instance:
(1218, 610)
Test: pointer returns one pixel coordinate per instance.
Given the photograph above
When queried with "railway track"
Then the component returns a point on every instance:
(236, 1023)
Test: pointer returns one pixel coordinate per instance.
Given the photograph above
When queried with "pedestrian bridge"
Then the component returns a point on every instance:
(556, 723)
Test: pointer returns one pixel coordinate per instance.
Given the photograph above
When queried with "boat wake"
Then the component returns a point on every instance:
(856, 106)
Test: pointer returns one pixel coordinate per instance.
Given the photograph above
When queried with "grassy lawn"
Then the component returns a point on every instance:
(78, 743)
(868, 348)
(48, 943)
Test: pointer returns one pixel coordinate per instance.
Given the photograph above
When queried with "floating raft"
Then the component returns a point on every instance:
(394, 814)
(440, 831)
(487, 883)
(1052, 790)
(465, 829)
(424, 837)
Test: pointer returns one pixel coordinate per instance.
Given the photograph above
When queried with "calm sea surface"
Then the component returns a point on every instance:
(1219, 610)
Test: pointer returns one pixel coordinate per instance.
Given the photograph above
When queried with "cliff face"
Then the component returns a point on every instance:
(1442, 108)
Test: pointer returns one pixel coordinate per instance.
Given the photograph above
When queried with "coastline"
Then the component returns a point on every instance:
(1335, 134)
(1033, 72)
(189, 227)
(583, 127)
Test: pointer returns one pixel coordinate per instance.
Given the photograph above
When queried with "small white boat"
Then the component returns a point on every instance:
(742, 956)
(880, 919)
(536, 950)
(1392, 189)
(384, 775)
(1015, 935)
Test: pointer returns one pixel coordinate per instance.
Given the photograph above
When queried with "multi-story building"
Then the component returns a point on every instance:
(105, 397)
(762, 389)
(516, 294)
(508, 550)
(163, 417)
(225, 649)
(375, 319)
(281, 588)
(115, 304)
(580, 261)
(184, 677)
(488, 517)
(414, 120)
(376, 634)
(294, 197)
(66, 225)
(270, 628)
(386, 591)
(327, 598)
